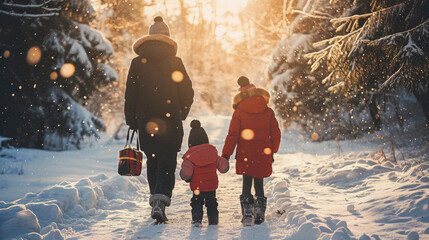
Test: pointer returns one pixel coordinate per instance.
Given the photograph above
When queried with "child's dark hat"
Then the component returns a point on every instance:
(197, 135)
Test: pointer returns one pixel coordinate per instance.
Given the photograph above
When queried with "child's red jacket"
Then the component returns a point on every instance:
(199, 165)
(255, 131)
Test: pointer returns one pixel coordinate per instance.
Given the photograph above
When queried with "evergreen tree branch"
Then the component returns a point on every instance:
(335, 39)
(423, 25)
(389, 82)
(356, 17)
(311, 15)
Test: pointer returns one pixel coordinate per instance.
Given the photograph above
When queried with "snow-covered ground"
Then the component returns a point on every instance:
(328, 190)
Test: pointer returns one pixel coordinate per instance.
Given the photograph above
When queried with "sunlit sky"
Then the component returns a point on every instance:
(227, 20)
(228, 30)
(226, 10)
(222, 6)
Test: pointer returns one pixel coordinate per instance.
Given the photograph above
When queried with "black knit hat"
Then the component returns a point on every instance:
(197, 135)
(243, 81)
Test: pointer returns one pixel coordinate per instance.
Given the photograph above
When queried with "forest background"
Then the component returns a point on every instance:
(336, 69)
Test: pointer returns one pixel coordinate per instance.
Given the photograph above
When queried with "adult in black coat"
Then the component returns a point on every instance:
(158, 97)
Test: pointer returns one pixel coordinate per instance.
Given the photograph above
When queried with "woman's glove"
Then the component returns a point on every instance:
(225, 156)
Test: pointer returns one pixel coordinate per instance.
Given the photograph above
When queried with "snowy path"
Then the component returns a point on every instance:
(312, 194)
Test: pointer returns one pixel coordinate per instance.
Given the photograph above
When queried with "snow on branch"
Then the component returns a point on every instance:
(424, 27)
(391, 81)
(42, 6)
(108, 73)
(311, 15)
(20, 10)
(336, 38)
(92, 39)
(319, 55)
(351, 18)
(357, 17)
(79, 123)
(352, 22)
(12, 14)
(336, 88)
(328, 78)
(323, 14)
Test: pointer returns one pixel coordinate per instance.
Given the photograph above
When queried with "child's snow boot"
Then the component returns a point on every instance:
(197, 210)
(247, 209)
(212, 212)
(213, 218)
(260, 207)
(158, 203)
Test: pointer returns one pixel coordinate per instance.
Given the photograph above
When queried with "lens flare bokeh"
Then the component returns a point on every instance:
(67, 70)
(34, 55)
(247, 134)
(177, 76)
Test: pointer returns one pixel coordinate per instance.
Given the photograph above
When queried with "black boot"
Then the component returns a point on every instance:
(197, 210)
(158, 203)
(212, 212)
(214, 218)
(197, 223)
(260, 207)
(247, 209)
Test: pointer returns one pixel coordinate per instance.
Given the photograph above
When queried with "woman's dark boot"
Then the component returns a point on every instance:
(158, 203)
(260, 207)
(247, 209)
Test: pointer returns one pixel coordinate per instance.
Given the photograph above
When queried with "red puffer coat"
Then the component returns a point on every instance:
(199, 165)
(255, 131)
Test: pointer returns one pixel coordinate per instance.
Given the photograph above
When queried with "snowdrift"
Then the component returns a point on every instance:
(39, 216)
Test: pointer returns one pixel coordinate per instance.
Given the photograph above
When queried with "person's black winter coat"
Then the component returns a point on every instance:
(158, 96)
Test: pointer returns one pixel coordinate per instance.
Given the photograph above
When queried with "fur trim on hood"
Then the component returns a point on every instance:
(155, 37)
(248, 92)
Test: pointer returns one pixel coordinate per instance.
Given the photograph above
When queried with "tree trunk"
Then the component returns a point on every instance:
(373, 111)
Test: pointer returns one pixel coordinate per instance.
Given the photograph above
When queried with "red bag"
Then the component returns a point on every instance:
(130, 159)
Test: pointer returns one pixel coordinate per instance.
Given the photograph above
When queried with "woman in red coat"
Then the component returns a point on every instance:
(255, 132)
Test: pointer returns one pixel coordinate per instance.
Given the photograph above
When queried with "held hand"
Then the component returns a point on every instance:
(225, 156)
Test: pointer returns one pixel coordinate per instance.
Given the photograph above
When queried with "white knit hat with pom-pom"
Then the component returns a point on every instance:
(159, 27)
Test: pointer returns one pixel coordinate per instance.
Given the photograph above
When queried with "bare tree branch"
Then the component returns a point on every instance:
(12, 14)
(263, 26)
(24, 7)
(15, 5)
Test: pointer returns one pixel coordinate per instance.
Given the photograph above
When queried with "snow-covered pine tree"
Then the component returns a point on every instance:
(380, 47)
(298, 93)
(122, 22)
(51, 61)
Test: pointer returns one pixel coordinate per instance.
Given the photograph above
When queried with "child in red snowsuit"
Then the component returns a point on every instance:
(199, 168)
(255, 131)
